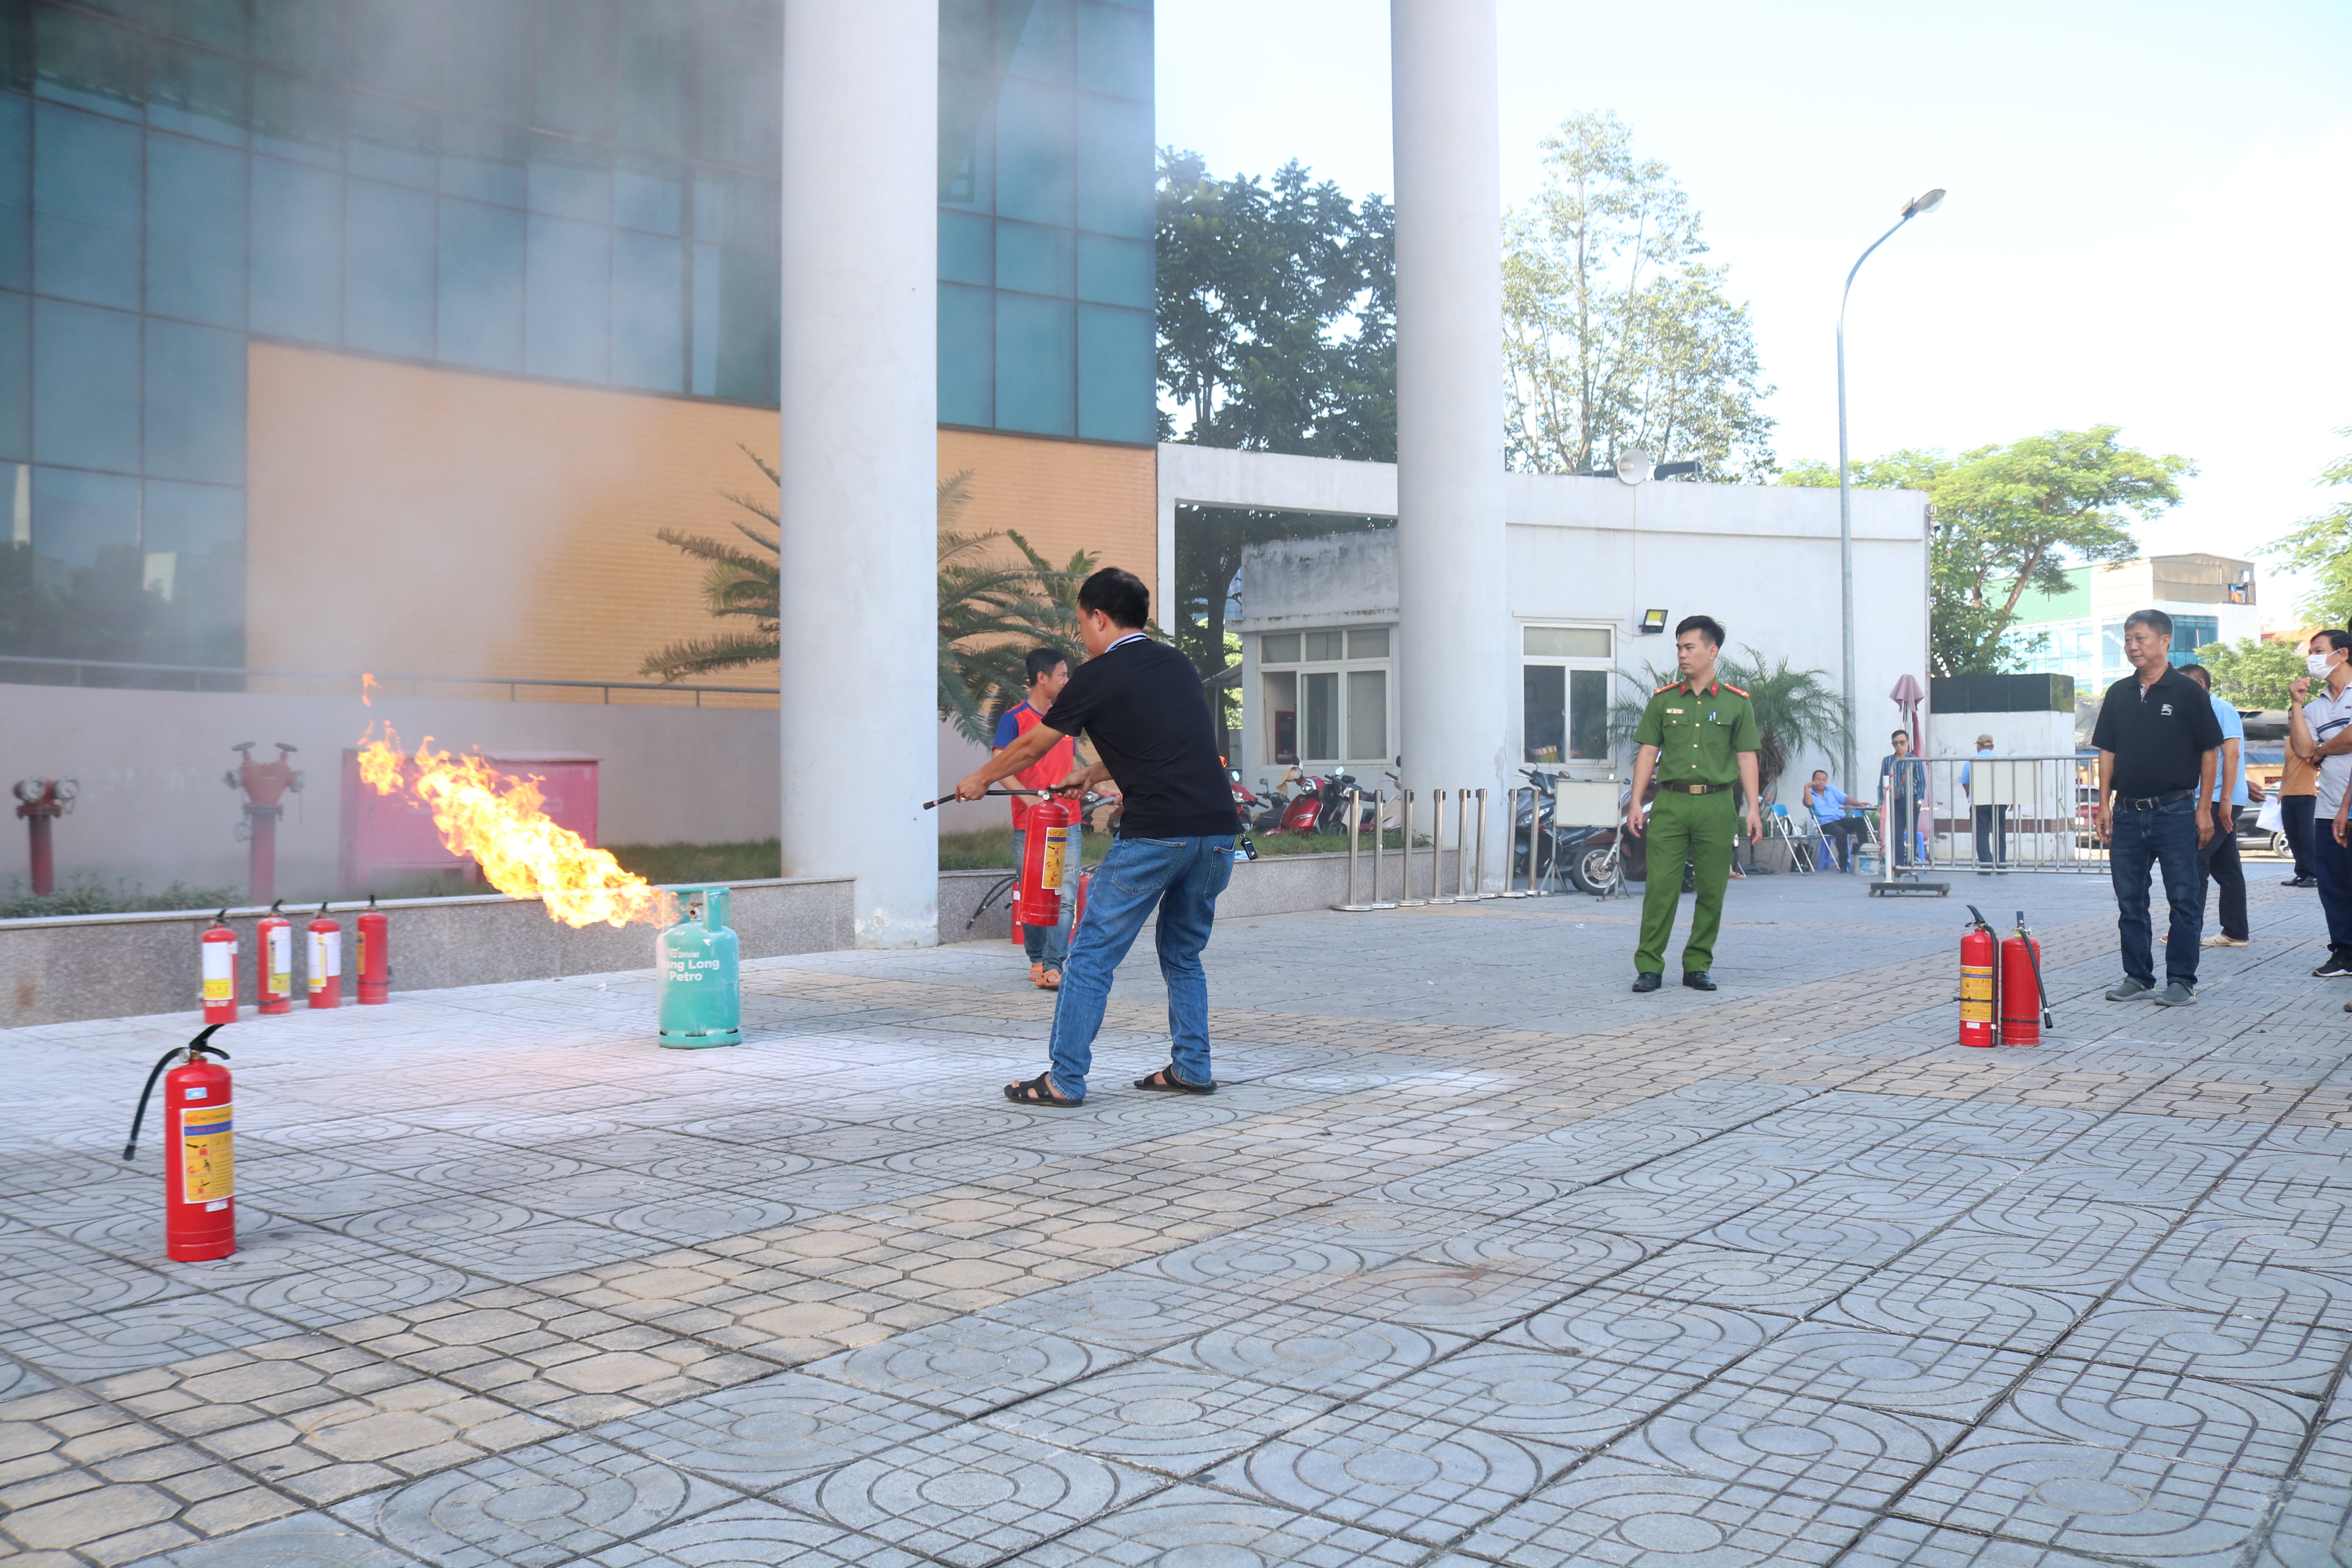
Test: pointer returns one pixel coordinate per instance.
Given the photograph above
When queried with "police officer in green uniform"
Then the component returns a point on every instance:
(1698, 736)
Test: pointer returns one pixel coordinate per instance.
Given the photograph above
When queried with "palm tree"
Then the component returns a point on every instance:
(1796, 710)
(991, 613)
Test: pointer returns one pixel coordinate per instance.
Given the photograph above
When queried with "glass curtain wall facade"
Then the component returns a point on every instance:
(584, 191)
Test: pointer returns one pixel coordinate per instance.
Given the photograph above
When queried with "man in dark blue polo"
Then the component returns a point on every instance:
(2159, 751)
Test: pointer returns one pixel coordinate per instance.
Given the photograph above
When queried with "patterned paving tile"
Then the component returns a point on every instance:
(1301, 1346)
(2089, 1261)
(298, 1540)
(1889, 1372)
(2281, 1355)
(1907, 1544)
(1793, 1442)
(1249, 1263)
(1175, 1419)
(966, 1366)
(759, 1436)
(2247, 1431)
(752, 1535)
(2139, 1507)
(1566, 1402)
(535, 1506)
(150, 1334)
(1390, 1470)
(1609, 1512)
(1450, 1297)
(1976, 1311)
(1647, 1331)
(1130, 1312)
(1742, 1281)
(1190, 1525)
(1537, 1246)
(970, 1495)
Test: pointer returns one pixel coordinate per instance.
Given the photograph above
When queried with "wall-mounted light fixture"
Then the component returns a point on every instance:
(1653, 623)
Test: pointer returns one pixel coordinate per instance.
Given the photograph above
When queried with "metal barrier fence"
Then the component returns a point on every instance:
(1980, 813)
(1469, 849)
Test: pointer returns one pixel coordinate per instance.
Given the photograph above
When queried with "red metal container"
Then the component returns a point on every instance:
(273, 964)
(199, 1163)
(1979, 980)
(324, 965)
(375, 967)
(1037, 900)
(2020, 992)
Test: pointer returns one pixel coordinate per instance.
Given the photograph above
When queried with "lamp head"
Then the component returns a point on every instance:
(1925, 203)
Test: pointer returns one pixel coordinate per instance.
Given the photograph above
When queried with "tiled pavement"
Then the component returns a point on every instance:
(1476, 1258)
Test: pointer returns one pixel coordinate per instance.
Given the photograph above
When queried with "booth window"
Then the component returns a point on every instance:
(1324, 696)
(1564, 683)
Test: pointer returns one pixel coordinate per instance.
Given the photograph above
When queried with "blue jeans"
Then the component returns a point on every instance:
(1050, 944)
(1180, 878)
(2166, 839)
(2332, 862)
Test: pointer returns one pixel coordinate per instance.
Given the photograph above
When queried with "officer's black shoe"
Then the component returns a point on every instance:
(2338, 964)
(1699, 980)
(1645, 981)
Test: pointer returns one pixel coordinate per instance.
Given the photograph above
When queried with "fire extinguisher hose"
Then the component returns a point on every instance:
(194, 1047)
(2033, 956)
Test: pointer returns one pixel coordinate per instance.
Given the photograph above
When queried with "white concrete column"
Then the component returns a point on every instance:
(1457, 672)
(859, 456)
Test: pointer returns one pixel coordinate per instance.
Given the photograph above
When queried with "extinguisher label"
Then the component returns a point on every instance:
(362, 936)
(219, 971)
(1975, 994)
(281, 962)
(208, 1162)
(1050, 873)
(326, 957)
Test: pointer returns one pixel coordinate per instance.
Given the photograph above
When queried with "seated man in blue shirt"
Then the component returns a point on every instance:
(1833, 817)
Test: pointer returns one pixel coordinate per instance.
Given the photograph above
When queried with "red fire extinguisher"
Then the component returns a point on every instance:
(199, 1153)
(2025, 1006)
(326, 960)
(218, 948)
(1039, 902)
(1978, 981)
(273, 962)
(375, 956)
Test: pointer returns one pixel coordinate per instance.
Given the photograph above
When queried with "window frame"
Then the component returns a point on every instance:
(1570, 664)
(1343, 719)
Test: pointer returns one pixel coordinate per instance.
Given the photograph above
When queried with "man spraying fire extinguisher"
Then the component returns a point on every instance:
(1140, 705)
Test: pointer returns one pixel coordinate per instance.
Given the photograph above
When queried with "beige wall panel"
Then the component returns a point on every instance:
(419, 519)
(1062, 496)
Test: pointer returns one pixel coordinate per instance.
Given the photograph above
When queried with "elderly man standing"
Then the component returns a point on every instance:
(2160, 748)
(1698, 737)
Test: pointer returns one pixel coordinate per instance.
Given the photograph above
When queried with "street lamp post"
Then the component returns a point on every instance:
(1925, 203)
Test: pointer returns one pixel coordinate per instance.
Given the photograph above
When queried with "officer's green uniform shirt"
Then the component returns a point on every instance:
(1699, 735)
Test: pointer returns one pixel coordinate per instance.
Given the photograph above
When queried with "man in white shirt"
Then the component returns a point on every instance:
(1992, 817)
(2319, 722)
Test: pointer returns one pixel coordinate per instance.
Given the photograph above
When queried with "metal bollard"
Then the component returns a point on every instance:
(1355, 836)
(1478, 882)
(1511, 889)
(1461, 892)
(1406, 900)
(1437, 894)
(1379, 837)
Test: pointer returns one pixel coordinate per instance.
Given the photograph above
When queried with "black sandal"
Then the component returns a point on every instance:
(1038, 1090)
(1167, 1082)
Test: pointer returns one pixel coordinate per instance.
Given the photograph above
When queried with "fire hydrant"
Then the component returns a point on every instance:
(42, 802)
(265, 784)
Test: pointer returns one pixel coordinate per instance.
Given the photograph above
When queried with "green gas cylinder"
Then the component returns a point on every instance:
(701, 978)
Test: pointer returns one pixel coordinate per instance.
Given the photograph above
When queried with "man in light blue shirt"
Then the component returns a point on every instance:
(1992, 817)
(1833, 817)
(2217, 859)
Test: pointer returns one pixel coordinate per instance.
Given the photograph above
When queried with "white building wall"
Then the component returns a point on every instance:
(1763, 560)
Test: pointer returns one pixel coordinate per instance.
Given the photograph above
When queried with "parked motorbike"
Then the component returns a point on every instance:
(1595, 857)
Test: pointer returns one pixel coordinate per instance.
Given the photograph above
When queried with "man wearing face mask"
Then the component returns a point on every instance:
(2319, 726)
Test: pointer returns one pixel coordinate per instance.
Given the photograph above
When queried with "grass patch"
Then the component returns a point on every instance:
(88, 896)
(1328, 843)
(666, 863)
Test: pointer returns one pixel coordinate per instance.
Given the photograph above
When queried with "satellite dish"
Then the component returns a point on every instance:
(1633, 466)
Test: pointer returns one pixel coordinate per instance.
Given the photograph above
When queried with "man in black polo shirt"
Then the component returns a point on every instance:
(1140, 705)
(2159, 745)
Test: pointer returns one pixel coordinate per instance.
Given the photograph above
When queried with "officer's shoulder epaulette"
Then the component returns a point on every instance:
(1669, 686)
(1733, 689)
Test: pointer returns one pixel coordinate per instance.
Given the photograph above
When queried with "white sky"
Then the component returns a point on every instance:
(2150, 218)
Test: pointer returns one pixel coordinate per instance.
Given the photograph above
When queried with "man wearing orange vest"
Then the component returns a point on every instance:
(1048, 672)
(1698, 737)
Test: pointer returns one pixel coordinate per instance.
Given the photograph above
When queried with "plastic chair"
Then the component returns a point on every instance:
(1804, 848)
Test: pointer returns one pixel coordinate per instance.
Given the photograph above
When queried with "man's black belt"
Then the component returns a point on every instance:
(2150, 802)
(1694, 789)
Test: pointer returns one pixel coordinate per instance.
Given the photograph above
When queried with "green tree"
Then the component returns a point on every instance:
(2322, 545)
(1277, 334)
(2014, 517)
(992, 611)
(1617, 333)
(2251, 673)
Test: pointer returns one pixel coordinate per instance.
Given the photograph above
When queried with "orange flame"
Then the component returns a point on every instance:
(368, 683)
(496, 818)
